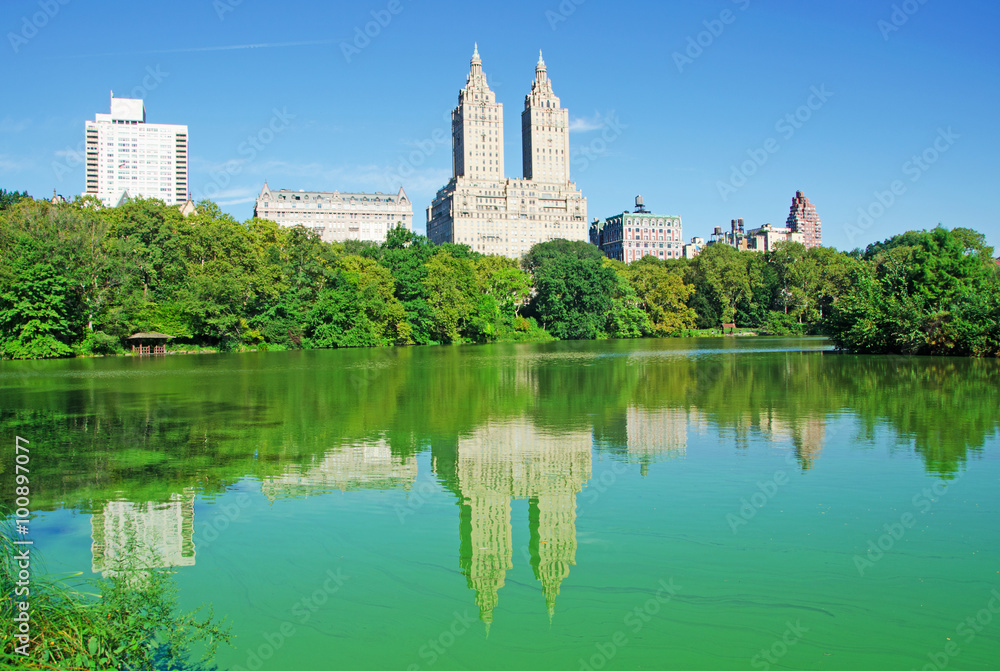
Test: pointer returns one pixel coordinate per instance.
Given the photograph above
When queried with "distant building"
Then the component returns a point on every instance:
(761, 239)
(490, 213)
(803, 219)
(693, 248)
(767, 236)
(335, 216)
(126, 155)
(632, 235)
(187, 208)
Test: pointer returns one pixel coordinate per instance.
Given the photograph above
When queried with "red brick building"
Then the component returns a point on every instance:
(803, 219)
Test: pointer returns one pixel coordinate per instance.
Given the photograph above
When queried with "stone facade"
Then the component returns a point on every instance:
(803, 219)
(335, 216)
(125, 156)
(632, 235)
(483, 209)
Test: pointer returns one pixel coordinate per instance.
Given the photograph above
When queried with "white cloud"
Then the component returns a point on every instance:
(587, 124)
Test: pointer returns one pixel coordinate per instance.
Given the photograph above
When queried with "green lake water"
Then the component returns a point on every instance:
(657, 504)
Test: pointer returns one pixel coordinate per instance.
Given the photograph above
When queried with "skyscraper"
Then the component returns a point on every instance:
(803, 219)
(482, 208)
(128, 157)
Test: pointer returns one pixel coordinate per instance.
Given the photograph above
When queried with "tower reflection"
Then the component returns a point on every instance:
(514, 459)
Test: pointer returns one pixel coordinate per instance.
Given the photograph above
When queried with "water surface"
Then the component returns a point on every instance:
(688, 504)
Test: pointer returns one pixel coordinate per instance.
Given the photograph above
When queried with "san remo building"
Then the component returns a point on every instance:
(493, 214)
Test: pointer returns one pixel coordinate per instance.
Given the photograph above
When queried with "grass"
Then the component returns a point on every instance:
(129, 620)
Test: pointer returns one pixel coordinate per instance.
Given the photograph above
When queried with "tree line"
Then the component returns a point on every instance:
(78, 279)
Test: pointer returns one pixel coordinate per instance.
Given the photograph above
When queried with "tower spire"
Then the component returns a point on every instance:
(477, 62)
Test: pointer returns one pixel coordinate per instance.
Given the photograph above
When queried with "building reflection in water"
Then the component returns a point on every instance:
(806, 434)
(648, 436)
(368, 465)
(500, 462)
(654, 435)
(164, 531)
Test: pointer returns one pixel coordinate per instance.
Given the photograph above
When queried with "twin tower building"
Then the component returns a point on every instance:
(480, 206)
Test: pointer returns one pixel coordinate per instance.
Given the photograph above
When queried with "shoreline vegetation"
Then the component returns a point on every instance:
(128, 619)
(77, 279)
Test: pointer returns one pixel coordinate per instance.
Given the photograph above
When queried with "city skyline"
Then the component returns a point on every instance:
(882, 116)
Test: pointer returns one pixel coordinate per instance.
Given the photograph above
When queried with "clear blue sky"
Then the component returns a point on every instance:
(371, 121)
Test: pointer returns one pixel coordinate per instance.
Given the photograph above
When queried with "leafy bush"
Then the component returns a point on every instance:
(132, 622)
(99, 342)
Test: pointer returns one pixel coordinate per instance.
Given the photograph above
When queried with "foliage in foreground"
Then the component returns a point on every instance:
(131, 622)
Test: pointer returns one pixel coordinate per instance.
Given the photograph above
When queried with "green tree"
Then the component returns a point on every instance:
(924, 292)
(10, 198)
(664, 296)
(452, 288)
(35, 314)
(573, 287)
(626, 316)
(726, 273)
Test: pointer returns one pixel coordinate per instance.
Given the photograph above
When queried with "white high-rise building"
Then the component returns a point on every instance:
(129, 158)
(493, 214)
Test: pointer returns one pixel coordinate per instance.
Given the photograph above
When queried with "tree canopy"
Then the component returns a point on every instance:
(79, 278)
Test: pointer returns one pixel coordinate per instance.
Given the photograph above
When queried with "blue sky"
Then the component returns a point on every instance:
(686, 103)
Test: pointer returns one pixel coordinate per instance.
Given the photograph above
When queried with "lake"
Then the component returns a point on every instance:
(738, 503)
